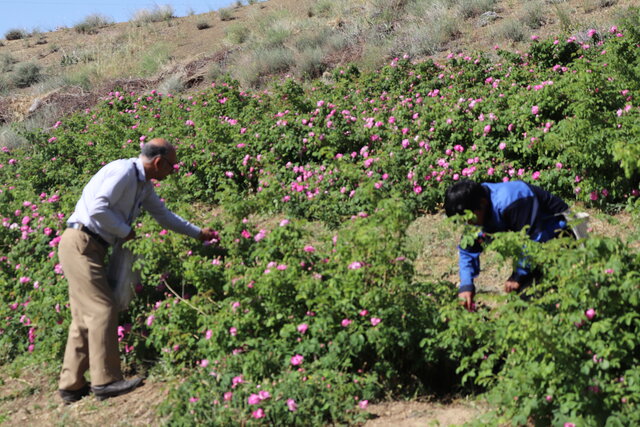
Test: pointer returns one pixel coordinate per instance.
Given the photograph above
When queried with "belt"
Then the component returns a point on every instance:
(84, 229)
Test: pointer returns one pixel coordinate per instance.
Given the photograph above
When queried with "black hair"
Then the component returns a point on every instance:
(464, 195)
(151, 151)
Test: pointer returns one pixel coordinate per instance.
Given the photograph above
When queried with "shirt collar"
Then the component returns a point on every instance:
(139, 170)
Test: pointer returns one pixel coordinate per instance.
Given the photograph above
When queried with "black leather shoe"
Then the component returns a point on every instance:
(71, 396)
(115, 388)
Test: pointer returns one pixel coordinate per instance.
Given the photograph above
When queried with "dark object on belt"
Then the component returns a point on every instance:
(84, 229)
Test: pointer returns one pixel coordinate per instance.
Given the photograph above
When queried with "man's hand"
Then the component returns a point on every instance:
(207, 234)
(511, 286)
(466, 299)
(130, 236)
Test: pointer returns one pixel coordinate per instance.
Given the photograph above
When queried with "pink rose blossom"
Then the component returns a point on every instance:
(292, 405)
(375, 321)
(355, 265)
(297, 360)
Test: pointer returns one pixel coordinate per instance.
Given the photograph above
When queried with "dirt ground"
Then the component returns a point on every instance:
(421, 414)
(32, 400)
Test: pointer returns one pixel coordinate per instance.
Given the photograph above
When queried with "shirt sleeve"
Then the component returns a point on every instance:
(108, 194)
(549, 202)
(156, 207)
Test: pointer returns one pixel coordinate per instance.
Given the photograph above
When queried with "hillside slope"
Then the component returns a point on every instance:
(47, 75)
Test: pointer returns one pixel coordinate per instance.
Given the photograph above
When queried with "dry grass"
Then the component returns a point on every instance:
(155, 14)
(316, 33)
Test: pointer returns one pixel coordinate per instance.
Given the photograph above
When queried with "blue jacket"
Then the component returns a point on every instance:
(513, 205)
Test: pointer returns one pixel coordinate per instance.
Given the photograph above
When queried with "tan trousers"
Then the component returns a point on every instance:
(93, 335)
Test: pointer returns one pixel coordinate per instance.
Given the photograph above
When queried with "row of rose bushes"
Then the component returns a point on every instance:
(302, 321)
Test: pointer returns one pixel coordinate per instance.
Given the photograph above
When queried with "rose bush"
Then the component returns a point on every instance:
(314, 188)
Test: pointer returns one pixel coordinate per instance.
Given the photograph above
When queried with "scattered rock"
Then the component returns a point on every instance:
(487, 18)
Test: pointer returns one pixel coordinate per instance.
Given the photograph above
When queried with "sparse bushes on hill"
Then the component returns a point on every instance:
(92, 23)
(473, 8)
(26, 74)
(15, 34)
(155, 14)
(237, 33)
(172, 85)
(203, 25)
(593, 5)
(7, 62)
(5, 84)
(427, 30)
(153, 59)
(511, 30)
(320, 8)
(309, 63)
(257, 63)
(534, 15)
(10, 138)
(226, 14)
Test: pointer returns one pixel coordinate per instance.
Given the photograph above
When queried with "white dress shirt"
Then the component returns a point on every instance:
(112, 199)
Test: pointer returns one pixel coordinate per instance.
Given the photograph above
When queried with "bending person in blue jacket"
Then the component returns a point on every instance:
(505, 206)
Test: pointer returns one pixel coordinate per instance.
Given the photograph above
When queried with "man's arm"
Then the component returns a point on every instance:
(549, 202)
(469, 264)
(170, 220)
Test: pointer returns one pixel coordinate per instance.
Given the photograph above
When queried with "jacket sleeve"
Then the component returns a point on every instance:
(469, 264)
(548, 202)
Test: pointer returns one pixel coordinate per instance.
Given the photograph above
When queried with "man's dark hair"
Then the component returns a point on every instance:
(464, 195)
(151, 151)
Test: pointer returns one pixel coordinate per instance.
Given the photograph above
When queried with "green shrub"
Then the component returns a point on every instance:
(153, 59)
(226, 14)
(426, 33)
(5, 83)
(7, 62)
(321, 8)
(534, 15)
(565, 352)
(276, 34)
(26, 74)
(309, 63)
(237, 33)
(511, 30)
(92, 23)
(15, 34)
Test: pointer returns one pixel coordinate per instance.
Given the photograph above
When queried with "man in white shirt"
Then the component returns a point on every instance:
(109, 204)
